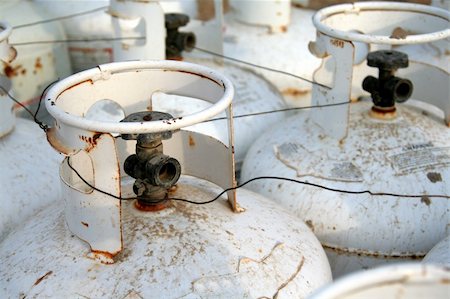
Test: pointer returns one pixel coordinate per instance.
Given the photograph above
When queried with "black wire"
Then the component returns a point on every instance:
(33, 115)
(60, 18)
(78, 40)
(264, 178)
(261, 67)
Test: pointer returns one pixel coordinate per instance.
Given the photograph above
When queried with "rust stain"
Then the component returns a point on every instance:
(426, 200)
(151, 208)
(447, 52)
(383, 113)
(106, 254)
(291, 91)
(85, 223)
(310, 224)
(55, 143)
(337, 43)
(13, 71)
(91, 141)
(283, 28)
(191, 141)
(199, 75)
(399, 33)
(40, 279)
(434, 177)
(38, 64)
(375, 254)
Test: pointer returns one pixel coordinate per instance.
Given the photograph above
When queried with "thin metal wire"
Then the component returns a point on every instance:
(61, 18)
(78, 40)
(261, 67)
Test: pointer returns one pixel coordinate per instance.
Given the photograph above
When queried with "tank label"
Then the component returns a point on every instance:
(321, 165)
(417, 156)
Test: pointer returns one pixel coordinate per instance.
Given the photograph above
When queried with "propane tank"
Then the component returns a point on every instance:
(404, 280)
(26, 160)
(440, 253)
(36, 65)
(374, 144)
(246, 40)
(124, 233)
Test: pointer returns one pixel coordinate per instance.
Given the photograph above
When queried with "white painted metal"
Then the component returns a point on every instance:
(138, 19)
(253, 94)
(7, 54)
(283, 51)
(342, 147)
(131, 85)
(274, 14)
(183, 251)
(27, 180)
(36, 65)
(400, 281)
(440, 253)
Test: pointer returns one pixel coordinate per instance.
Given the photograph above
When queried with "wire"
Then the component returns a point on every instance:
(261, 67)
(276, 111)
(78, 40)
(60, 18)
(266, 178)
(33, 115)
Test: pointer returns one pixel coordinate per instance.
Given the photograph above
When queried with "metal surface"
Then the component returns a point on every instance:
(131, 85)
(28, 177)
(339, 21)
(391, 282)
(439, 254)
(399, 156)
(274, 14)
(36, 65)
(7, 54)
(138, 18)
(285, 51)
(387, 89)
(177, 42)
(184, 251)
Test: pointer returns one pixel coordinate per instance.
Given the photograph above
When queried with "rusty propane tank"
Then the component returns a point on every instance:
(377, 169)
(28, 180)
(39, 60)
(106, 244)
(403, 280)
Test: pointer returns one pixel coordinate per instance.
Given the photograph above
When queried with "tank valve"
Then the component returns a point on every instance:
(154, 172)
(177, 42)
(387, 88)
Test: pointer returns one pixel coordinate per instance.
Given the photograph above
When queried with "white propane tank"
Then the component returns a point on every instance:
(153, 244)
(28, 180)
(37, 65)
(355, 148)
(440, 253)
(285, 50)
(401, 281)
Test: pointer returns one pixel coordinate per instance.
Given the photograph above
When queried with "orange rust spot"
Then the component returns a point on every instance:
(383, 113)
(291, 91)
(85, 224)
(38, 64)
(40, 279)
(106, 254)
(426, 200)
(283, 28)
(91, 141)
(191, 141)
(399, 33)
(150, 208)
(173, 188)
(13, 71)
